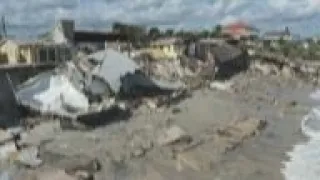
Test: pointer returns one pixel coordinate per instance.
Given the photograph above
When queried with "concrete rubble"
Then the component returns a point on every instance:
(220, 61)
(272, 64)
(172, 135)
(89, 86)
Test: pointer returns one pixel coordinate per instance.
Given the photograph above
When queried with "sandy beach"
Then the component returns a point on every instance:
(128, 149)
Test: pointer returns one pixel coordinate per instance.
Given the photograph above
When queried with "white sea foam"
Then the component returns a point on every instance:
(304, 163)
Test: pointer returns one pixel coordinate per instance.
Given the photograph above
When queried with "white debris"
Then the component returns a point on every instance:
(5, 136)
(7, 150)
(222, 86)
(151, 104)
(53, 94)
(62, 93)
(286, 72)
(172, 135)
(29, 157)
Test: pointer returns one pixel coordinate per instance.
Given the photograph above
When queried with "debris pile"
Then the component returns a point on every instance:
(94, 84)
(20, 151)
(211, 61)
(269, 63)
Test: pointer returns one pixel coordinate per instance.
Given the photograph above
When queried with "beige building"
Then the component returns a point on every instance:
(13, 52)
(171, 47)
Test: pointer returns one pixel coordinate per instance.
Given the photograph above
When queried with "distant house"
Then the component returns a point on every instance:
(171, 47)
(65, 32)
(14, 52)
(239, 30)
(278, 35)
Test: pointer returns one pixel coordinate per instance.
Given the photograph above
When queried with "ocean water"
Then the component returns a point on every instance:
(304, 163)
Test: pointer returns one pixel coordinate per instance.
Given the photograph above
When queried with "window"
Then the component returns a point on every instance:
(22, 58)
(67, 54)
(4, 58)
(51, 54)
(42, 55)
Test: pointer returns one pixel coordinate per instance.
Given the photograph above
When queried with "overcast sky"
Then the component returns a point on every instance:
(27, 17)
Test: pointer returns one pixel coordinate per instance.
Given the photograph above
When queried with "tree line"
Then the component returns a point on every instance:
(140, 35)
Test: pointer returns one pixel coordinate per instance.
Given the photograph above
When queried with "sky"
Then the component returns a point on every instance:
(30, 17)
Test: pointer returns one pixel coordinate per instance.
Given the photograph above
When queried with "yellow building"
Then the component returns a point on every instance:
(13, 52)
(171, 47)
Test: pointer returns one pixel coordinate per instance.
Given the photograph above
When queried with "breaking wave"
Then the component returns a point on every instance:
(304, 161)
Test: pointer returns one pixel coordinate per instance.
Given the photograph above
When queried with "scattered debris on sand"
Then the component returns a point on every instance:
(173, 135)
(225, 139)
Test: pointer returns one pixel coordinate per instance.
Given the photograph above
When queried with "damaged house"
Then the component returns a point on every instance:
(222, 59)
(89, 86)
(15, 52)
(89, 41)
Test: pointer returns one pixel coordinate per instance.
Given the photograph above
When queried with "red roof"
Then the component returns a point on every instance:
(237, 25)
(238, 28)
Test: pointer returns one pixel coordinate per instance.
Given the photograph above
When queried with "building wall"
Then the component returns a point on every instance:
(202, 50)
(51, 54)
(12, 53)
(9, 51)
(171, 51)
(27, 54)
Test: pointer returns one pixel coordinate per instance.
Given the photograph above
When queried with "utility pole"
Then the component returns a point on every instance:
(4, 30)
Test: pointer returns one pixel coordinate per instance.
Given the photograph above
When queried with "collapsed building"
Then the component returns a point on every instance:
(91, 85)
(204, 60)
(221, 59)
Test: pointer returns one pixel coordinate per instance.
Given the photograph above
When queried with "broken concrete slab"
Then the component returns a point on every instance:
(72, 164)
(197, 159)
(221, 86)
(230, 137)
(51, 93)
(8, 150)
(172, 135)
(53, 174)
(205, 156)
(287, 72)
(6, 136)
(243, 129)
(29, 157)
(114, 66)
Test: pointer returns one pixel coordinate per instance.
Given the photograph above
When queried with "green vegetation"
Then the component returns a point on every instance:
(140, 35)
(301, 50)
